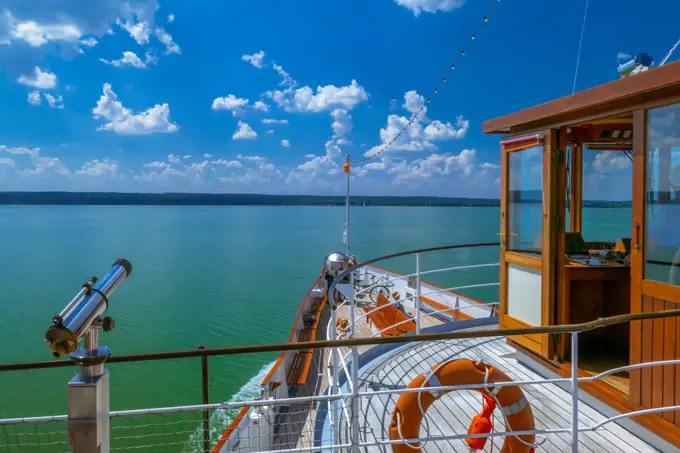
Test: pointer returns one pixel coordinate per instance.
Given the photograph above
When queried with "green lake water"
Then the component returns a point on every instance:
(220, 276)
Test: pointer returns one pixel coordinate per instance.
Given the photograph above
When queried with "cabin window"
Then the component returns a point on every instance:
(662, 219)
(607, 192)
(525, 200)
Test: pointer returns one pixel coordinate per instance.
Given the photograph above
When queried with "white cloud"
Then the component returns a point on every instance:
(287, 81)
(623, 56)
(174, 159)
(430, 6)
(140, 31)
(170, 45)
(157, 164)
(285, 143)
(7, 162)
(310, 156)
(342, 124)
(255, 59)
(273, 121)
(227, 163)
(41, 165)
(207, 156)
(610, 161)
(54, 101)
(270, 131)
(325, 98)
(89, 42)
(42, 80)
(171, 18)
(36, 35)
(420, 134)
(124, 122)
(231, 103)
(259, 105)
(187, 156)
(34, 97)
(244, 132)
(128, 59)
(99, 168)
(489, 166)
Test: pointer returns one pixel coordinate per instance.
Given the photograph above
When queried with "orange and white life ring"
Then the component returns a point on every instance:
(407, 415)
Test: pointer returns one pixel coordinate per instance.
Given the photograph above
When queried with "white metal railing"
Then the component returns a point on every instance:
(274, 405)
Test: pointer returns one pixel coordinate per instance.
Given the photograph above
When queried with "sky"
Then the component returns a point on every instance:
(255, 96)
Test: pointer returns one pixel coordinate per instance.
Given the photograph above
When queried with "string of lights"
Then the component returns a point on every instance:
(441, 82)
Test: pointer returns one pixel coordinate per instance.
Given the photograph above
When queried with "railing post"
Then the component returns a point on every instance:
(335, 426)
(574, 392)
(206, 400)
(417, 292)
(355, 375)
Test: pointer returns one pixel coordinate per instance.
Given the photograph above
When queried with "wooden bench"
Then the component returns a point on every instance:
(299, 368)
(389, 315)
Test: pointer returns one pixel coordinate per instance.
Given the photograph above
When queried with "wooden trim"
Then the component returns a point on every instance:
(511, 322)
(503, 289)
(525, 343)
(445, 308)
(611, 397)
(627, 92)
(520, 259)
(637, 258)
(576, 195)
(530, 142)
(658, 290)
(550, 215)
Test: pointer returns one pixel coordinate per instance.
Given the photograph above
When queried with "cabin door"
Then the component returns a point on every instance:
(655, 257)
(528, 179)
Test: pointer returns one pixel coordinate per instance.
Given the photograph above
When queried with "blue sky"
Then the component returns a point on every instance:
(255, 96)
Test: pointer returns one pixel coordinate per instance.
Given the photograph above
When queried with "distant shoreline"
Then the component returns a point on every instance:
(202, 199)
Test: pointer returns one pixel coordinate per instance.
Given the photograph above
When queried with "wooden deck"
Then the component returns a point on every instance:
(453, 412)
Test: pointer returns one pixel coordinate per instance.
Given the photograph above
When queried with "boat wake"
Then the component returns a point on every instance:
(221, 418)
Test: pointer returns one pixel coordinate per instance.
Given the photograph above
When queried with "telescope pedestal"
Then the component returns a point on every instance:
(88, 413)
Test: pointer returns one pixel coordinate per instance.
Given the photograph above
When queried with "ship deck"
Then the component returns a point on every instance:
(452, 413)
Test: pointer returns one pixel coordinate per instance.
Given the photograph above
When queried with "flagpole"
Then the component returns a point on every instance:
(347, 208)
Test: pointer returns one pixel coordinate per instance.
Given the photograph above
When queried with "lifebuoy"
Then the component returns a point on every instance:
(407, 415)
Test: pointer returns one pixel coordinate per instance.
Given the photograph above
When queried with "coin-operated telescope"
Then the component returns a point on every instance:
(88, 391)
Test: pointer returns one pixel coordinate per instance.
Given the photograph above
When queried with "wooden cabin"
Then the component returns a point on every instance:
(561, 260)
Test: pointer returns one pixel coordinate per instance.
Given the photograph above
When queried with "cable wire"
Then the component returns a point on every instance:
(416, 115)
(670, 52)
(580, 46)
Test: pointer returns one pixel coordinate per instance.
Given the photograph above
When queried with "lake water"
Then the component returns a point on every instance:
(221, 276)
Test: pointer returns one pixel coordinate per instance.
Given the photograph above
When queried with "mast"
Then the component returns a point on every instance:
(346, 234)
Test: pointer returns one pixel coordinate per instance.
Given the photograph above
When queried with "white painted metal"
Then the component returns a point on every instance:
(417, 293)
(524, 294)
(574, 392)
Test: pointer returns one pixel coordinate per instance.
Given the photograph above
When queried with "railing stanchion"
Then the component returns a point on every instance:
(335, 425)
(417, 292)
(206, 399)
(354, 374)
(574, 392)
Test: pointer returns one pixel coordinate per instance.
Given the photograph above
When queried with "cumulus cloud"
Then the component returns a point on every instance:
(124, 122)
(227, 163)
(43, 80)
(187, 156)
(231, 103)
(270, 131)
(261, 106)
(41, 165)
(55, 102)
(420, 134)
(255, 59)
(273, 121)
(99, 168)
(37, 34)
(285, 143)
(165, 37)
(171, 18)
(610, 161)
(128, 59)
(244, 132)
(325, 98)
(207, 156)
(139, 31)
(34, 97)
(174, 159)
(157, 164)
(430, 6)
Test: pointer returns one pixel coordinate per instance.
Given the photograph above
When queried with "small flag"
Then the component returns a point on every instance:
(347, 165)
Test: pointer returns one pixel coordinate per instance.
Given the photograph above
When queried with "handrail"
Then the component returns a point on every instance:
(320, 344)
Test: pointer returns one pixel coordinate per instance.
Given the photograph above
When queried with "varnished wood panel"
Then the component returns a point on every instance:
(660, 385)
(514, 323)
(532, 262)
(550, 216)
(637, 248)
(503, 297)
(660, 290)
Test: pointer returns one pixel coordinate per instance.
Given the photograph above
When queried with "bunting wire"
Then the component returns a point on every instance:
(442, 81)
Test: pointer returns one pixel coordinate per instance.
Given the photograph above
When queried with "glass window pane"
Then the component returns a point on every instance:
(607, 194)
(662, 219)
(525, 200)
